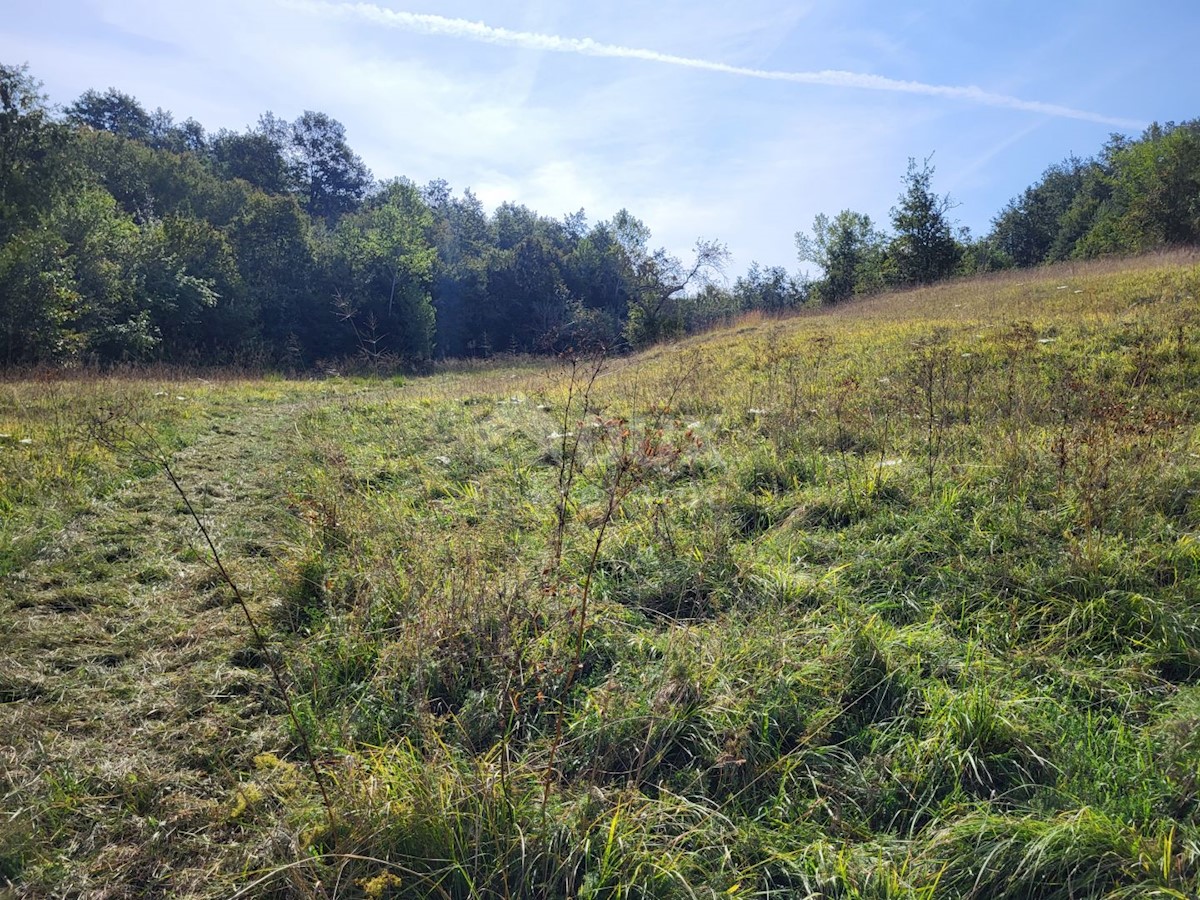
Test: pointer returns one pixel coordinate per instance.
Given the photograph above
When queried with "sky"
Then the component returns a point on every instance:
(737, 120)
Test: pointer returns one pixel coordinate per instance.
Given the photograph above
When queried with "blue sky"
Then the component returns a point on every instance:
(738, 121)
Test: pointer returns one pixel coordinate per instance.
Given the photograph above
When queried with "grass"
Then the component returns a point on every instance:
(893, 600)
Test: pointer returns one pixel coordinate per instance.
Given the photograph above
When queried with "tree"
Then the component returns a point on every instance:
(658, 280)
(186, 137)
(122, 278)
(850, 251)
(271, 240)
(36, 297)
(528, 300)
(924, 249)
(254, 156)
(1028, 226)
(112, 111)
(203, 281)
(333, 180)
(770, 289)
(460, 234)
(33, 169)
(598, 273)
(382, 267)
(1147, 193)
(150, 183)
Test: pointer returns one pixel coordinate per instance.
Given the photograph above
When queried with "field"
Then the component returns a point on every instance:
(895, 600)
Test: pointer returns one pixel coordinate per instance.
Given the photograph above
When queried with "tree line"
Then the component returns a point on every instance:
(128, 236)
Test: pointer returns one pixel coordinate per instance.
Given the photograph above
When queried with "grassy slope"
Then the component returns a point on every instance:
(897, 600)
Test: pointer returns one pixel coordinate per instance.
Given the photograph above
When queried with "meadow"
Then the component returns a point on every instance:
(897, 599)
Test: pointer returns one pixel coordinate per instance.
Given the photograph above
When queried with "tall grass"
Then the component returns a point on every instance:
(894, 600)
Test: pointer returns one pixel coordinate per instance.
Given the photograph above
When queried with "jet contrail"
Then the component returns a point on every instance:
(465, 29)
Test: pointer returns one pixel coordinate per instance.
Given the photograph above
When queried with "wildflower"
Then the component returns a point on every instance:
(888, 463)
(692, 425)
(444, 460)
(758, 412)
(559, 435)
(966, 355)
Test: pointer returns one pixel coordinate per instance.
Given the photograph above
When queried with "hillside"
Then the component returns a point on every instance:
(127, 236)
(897, 599)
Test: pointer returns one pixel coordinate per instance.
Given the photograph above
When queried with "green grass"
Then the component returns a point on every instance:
(898, 600)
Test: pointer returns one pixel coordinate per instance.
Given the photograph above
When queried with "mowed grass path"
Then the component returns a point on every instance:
(132, 696)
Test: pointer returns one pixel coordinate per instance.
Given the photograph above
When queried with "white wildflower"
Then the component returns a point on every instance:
(888, 463)
(758, 412)
(694, 424)
(559, 435)
(444, 460)
(966, 355)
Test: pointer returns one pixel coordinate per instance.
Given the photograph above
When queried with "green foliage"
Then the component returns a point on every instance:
(33, 168)
(112, 111)
(1135, 195)
(852, 255)
(331, 178)
(924, 249)
(769, 289)
(1028, 228)
(382, 265)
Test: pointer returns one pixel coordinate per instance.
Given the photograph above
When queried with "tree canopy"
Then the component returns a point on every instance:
(126, 235)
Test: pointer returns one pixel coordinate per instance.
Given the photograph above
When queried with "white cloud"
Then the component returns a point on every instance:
(466, 29)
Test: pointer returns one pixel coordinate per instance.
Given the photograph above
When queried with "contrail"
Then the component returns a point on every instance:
(478, 31)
